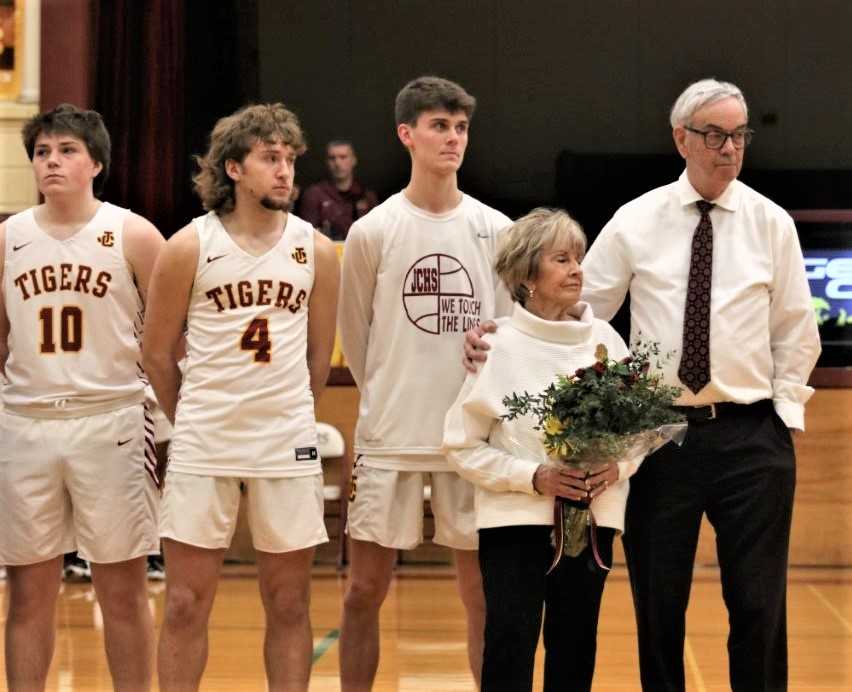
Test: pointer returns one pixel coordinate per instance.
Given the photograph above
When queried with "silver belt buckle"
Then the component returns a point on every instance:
(712, 415)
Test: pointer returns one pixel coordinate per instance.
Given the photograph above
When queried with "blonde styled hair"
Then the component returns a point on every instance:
(232, 138)
(522, 244)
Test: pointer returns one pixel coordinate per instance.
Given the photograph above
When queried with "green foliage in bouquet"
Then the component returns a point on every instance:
(596, 407)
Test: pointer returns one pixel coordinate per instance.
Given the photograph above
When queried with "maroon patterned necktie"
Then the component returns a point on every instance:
(694, 370)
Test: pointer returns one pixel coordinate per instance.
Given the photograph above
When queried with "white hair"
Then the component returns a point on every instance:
(700, 94)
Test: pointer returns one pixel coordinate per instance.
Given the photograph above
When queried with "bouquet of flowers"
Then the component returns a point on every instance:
(608, 411)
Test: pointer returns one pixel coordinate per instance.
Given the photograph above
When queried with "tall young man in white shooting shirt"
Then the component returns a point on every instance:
(417, 272)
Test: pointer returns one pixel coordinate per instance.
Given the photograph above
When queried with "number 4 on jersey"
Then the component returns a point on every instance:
(256, 338)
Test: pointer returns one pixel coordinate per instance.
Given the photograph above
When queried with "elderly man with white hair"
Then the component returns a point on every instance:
(716, 277)
(715, 274)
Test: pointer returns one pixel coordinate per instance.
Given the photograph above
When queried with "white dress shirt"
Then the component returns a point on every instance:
(763, 333)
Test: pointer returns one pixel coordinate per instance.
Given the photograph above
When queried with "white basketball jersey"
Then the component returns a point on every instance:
(75, 318)
(246, 408)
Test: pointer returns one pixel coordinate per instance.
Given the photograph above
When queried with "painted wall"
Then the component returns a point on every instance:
(586, 75)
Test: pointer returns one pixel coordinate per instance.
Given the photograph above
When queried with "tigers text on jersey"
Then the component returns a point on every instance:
(75, 318)
(413, 283)
(246, 408)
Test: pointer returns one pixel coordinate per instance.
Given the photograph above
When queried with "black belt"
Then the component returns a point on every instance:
(723, 409)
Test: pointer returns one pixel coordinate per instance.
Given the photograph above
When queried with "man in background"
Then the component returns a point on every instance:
(333, 205)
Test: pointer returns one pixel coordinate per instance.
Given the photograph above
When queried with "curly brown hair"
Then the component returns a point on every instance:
(232, 138)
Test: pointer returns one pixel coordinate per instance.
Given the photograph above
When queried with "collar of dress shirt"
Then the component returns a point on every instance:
(570, 331)
(728, 200)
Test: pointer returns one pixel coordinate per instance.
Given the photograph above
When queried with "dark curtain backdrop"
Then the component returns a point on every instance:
(166, 71)
(140, 93)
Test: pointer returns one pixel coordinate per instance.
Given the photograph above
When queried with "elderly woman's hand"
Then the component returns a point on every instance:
(600, 477)
(561, 481)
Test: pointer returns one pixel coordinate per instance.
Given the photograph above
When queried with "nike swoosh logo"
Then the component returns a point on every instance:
(121, 443)
(15, 248)
(482, 235)
(213, 259)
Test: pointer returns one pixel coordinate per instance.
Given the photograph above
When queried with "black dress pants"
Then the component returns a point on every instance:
(514, 562)
(740, 470)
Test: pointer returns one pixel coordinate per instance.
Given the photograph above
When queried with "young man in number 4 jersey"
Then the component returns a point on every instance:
(417, 272)
(257, 289)
(76, 444)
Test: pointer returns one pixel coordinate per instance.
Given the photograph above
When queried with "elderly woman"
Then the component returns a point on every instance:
(549, 332)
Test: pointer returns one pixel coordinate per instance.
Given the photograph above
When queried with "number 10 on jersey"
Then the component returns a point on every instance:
(70, 327)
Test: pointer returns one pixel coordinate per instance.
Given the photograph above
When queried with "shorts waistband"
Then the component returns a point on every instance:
(724, 409)
(68, 408)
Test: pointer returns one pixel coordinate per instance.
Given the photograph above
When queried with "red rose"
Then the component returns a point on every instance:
(599, 368)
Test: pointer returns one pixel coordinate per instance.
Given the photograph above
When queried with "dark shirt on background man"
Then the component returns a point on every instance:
(333, 211)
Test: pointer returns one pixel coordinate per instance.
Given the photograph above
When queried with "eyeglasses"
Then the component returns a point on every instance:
(715, 139)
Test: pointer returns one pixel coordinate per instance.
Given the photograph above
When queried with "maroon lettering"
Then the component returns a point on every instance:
(70, 329)
(230, 291)
(263, 287)
(424, 280)
(285, 290)
(84, 274)
(214, 294)
(294, 308)
(449, 323)
(65, 276)
(438, 295)
(36, 289)
(101, 284)
(256, 338)
(244, 292)
(48, 278)
(21, 282)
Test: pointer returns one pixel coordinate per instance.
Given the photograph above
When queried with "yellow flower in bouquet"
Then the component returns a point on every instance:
(598, 407)
(553, 426)
(603, 412)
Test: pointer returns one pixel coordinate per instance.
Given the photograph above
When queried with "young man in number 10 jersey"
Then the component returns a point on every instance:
(76, 443)
(256, 288)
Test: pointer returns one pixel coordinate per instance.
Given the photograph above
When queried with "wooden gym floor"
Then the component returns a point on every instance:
(423, 641)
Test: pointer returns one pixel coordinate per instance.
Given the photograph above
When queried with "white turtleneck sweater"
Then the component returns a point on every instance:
(499, 456)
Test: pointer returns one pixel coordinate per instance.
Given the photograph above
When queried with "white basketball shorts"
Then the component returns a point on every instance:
(284, 514)
(386, 507)
(83, 484)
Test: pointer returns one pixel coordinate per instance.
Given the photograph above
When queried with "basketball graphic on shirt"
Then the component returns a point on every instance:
(437, 293)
